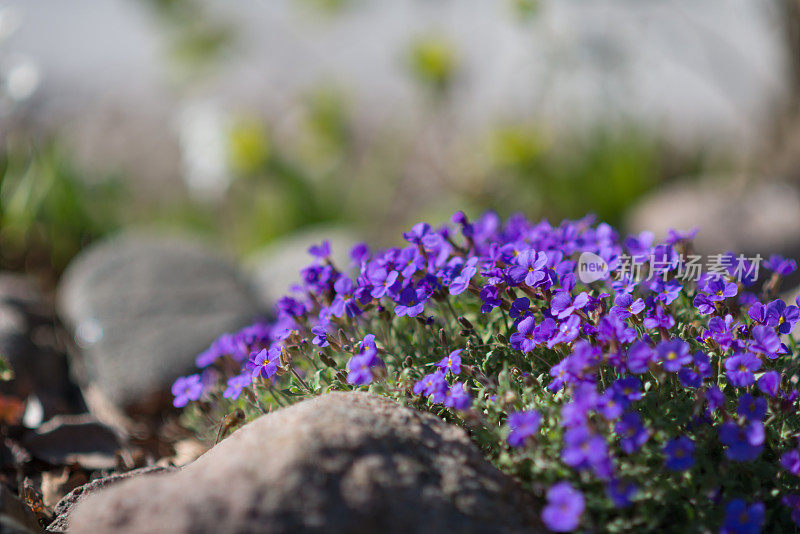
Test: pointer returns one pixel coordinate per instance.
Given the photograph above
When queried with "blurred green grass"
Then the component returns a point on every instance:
(329, 170)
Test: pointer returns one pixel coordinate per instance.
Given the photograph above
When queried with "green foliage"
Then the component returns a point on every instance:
(48, 211)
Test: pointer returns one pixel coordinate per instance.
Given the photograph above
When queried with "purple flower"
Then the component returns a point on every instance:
(264, 363)
(456, 397)
(236, 384)
(676, 236)
(523, 339)
(715, 398)
(418, 232)
(780, 265)
(451, 362)
(765, 341)
(693, 376)
(321, 251)
(564, 508)
(770, 383)
(740, 369)
(562, 305)
(777, 313)
(625, 306)
(359, 253)
(639, 357)
(519, 307)
(382, 281)
(743, 519)
(791, 461)
(410, 302)
(744, 443)
(491, 298)
(721, 330)
(185, 389)
(752, 408)
(659, 318)
(320, 336)
(673, 354)
(629, 387)
(717, 289)
(522, 426)
(703, 304)
(567, 331)
(432, 384)
(632, 433)
(582, 448)
(666, 292)
(680, 454)
(612, 329)
(360, 366)
(529, 268)
(461, 282)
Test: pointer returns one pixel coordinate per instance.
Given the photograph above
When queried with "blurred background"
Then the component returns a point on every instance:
(249, 121)
(165, 164)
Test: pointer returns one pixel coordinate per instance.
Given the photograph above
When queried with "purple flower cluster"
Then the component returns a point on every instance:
(647, 388)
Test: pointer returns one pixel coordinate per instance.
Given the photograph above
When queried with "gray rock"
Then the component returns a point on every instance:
(340, 463)
(142, 308)
(276, 267)
(15, 516)
(761, 217)
(75, 438)
(65, 506)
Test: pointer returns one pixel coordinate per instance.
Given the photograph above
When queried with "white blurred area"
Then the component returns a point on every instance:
(708, 71)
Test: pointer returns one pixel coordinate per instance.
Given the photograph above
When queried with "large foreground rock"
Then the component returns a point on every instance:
(143, 307)
(343, 462)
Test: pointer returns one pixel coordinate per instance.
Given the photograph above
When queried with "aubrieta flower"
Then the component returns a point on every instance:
(632, 433)
(236, 384)
(777, 313)
(791, 461)
(744, 443)
(529, 268)
(523, 339)
(564, 508)
(679, 453)
(780, 265)
(625, 306)
(583, 448)
(451, 362)
(432, 384)
(522, 425)
(693, 367)
(743, 519)
(185, 389)
(361, 366)
(673, 354)
(752, 408)
(769, 383)
(740, 369)
(264, 363)
(456, 397)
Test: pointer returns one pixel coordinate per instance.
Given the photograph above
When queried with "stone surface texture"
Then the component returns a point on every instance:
(342, 462)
